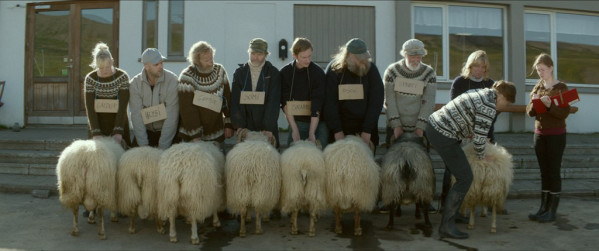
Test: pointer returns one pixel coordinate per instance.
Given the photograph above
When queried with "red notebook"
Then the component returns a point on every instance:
(539, 106)
(566, 98)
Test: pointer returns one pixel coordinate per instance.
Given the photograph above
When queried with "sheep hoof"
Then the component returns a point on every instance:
(258, 231)
(266, 219)
(161, 231)
(114, 218)
(493, 230)
(338, 230)
(311, 234)
(91, 221)
(293, 232)
(195, 241)
(102, 236)
(389, 227)
(470, 226)
(216, 224)
(131, 230)
(358, 231)
(75, 233)
(241, 234)
(174, 239)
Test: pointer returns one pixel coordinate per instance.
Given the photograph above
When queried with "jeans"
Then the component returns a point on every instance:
(321, 133)
(549, 150)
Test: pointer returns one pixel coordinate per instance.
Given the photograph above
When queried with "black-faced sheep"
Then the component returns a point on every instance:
(137, 177)
(303, 175)
(86, 174)
(253, 178)
(491, 180)
(352, 179)
(190, 184)
(407, 176)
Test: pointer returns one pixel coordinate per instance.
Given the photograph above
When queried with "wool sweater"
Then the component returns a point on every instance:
(113, 87)
(365, 112)
(143, 95)
(308, 83)
(555, 117)
(461, 85)
(406, 110)
(468, 115)
(200, 122)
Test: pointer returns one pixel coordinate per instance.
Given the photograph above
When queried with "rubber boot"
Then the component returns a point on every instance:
(543, 208)
(549, 215)
(448, 229)
(445, 188)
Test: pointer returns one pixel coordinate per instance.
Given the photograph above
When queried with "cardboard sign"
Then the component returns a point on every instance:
(411, 86)
(351, 92)
(106, 105)
(299, 108)
(252, 98)
(153, 114)
(208, 101)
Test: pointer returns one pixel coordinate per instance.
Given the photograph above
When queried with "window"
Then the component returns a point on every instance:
(175, 28)
(571, 39)
(451, 33)
(150, 24)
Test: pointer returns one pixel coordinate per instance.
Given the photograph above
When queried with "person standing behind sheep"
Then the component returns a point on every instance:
(469, 115)
(550, 137)
(256, 93)
(354, 93)
(302, 81)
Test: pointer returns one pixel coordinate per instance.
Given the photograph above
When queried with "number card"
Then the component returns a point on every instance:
(106, 105)
(409, 86)
(153, 114)
(208, 101)
(251, 98)
(299, 108)
(351, 92)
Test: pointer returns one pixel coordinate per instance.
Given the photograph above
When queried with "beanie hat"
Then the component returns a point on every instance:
(413, 47)
(259, 45)
(356, 46)
(152, 56)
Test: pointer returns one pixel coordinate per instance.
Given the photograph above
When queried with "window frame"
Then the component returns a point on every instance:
(445, 35)
(144, 35)
(171, 54)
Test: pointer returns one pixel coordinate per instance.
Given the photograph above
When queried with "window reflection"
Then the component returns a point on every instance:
(51, 43)
(96, 26)
(577, 48)
(537, 33)
(428, 28)
(175, 28)
(150, 24)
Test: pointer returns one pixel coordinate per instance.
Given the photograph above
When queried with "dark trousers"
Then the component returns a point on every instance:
(455, 160)
(549, 150)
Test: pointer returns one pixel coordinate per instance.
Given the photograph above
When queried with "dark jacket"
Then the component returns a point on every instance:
(461, 85)
(257, 117)
(344, 115)
(308, 84)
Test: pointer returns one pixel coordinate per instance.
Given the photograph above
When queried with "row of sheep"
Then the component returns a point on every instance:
(196, 181)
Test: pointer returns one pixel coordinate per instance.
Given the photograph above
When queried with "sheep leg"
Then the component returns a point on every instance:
(258, 223)
(483, 211)
(91, 219)
(195, 240)
(113, 216)
(312, 230)
(215, 220)
(132, 222)
(294, 222)
(159, 225)
(471, 222)
(172, 230)
(101, 224)
(357, 228)
(75, 231)
(242, 216)
(417, 214)
(338, 227)
(425, 207)
(391, 216)
(494, 220)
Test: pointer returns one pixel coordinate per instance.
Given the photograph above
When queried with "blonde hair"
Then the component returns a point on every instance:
(198, 48)
(476, 58)
(101, 56)
(339, 61)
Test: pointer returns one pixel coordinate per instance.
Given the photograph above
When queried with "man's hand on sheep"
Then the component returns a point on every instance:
(397, 132)
(295, 135)
(118, 137)
(366, 138)
(268, 134)
(228, 133)
(312, 137)
(419, 132)
(339, 136)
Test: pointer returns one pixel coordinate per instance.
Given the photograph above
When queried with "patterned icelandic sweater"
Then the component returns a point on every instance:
(199, 121)
(470, 114)
(113, 87)
(406, 110)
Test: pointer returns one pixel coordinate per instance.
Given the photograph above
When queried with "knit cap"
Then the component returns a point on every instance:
(259, 45)
(413, 47)
(356, 46)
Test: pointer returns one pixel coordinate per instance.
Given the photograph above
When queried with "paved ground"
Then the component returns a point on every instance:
(30, 223)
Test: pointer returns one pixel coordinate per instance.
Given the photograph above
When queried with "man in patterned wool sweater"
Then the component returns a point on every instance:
(204, 97)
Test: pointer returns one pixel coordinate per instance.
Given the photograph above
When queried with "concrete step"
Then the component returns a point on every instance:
(29, 157)
(47, 145)
(28, 169)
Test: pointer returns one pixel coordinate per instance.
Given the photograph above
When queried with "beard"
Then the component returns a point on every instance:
(360, 69)
(412, 68)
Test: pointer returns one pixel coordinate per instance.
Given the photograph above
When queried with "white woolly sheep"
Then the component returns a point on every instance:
(137, 178)
(407, 176)
(491, 180)
(190, 184)
(253, 178)
(86, 174)
(352, 179)
(303, 182)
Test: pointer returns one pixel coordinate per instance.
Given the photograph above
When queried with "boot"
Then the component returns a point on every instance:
(543, 208)
(447, 229)
(552, 202)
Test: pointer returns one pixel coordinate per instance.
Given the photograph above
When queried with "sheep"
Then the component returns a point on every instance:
(137, 177)
(407, 176)
(191, 184)
(491, 180)
(253, 178)
(352, 179)
(303, 182)
(86, 174)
